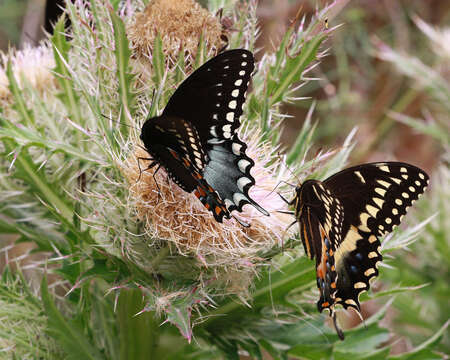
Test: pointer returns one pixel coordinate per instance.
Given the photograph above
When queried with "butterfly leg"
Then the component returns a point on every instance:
(285, 232)
(285, 200)
(156, 182)
(152, 164)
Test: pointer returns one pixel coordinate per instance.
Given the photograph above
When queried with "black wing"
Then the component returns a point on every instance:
(175, 144)
(342, 218)
(212, 97)
(375, 197)
(199, 124)
(320, 217)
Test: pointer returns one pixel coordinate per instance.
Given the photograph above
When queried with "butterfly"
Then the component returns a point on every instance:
(195, 138)
(342, 219)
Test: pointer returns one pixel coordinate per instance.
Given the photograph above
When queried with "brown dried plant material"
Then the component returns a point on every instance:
(177, 216)
(179, 23)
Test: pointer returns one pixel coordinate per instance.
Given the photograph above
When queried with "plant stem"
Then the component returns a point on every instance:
(139, 334)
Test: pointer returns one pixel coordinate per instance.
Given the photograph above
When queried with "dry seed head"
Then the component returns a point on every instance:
(179, 217)
(180, 24)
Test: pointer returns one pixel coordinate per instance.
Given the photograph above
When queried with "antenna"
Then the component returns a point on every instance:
(287, 167)
(119, 122)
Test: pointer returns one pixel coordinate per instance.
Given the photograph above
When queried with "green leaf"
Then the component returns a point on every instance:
(122, 51)
(304, 138)
(252, 348)
(424, 350)
(180, 69)
(69, 336)
(28, 137)
(270, 289)
(37, 180)
(61, 49)
(19, 104)
(400, 289)
(312, 352)
(361, 343)
(201, 52)
(106, 326)
(179, 312)
(159, 61)
(272, 349)
(293, 68)
(280, 56)
(438, 131)
(139, 331)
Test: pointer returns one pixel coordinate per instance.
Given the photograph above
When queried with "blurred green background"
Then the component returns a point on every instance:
(377, 77)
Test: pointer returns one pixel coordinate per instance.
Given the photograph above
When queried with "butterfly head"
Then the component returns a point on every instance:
(308, 194)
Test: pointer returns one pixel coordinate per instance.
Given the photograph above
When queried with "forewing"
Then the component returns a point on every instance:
(212, 97)
(210, 102)
(375, 197)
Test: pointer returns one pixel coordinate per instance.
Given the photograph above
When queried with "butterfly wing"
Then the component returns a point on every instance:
(211, 99)
(374, 197)
(228, 172)
(341, 220)
(320, 216)
(174, 142)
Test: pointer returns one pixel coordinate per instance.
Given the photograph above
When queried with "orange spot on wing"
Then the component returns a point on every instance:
(207, 206)
(174, 154)
(320, 273)
(218, 210)
(201, 191)
(326, 304)
(333, 285)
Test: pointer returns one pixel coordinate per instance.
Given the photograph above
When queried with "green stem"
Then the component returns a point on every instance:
(139, 333)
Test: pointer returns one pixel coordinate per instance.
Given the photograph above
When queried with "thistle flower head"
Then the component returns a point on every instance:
(33, 65)
(172, 214)
(179, 23)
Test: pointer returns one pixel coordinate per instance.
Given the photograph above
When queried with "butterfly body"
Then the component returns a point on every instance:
(342, 218)
(195, 138)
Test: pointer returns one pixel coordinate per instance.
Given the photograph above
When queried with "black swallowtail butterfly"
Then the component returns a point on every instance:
(195, 138)
(341, 220)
